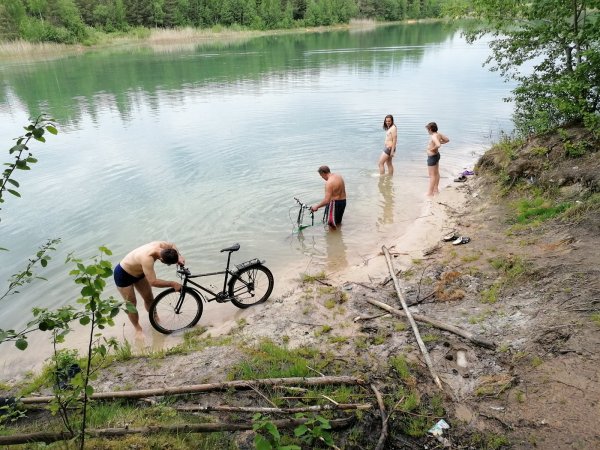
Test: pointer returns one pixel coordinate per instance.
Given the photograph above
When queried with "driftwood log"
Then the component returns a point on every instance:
(436, 323)
(338, 407)
(209, 387)
(178, 429)
(409, 316)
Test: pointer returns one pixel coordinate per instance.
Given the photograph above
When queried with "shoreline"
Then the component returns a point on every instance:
(407, 245)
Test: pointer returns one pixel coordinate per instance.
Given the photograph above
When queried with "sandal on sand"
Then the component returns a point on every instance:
(461, 240)
(461, 178)
(450, 236)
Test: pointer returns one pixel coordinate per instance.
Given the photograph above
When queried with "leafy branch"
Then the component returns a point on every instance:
(22, 156)
(27, 275)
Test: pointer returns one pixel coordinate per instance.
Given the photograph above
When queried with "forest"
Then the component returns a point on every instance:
(78, 21)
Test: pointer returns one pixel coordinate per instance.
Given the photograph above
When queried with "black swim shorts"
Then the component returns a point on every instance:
(387, 151)
(334, 212)
(432, 160)
(123, 278)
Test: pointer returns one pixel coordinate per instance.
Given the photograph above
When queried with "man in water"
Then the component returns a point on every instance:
(136, 270)
(335, 197)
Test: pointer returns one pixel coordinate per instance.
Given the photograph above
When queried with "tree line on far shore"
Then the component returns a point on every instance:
(76, 21)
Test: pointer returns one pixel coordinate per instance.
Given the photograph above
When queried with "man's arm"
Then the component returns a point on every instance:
(443, 138)
(148, 268)
(327, 198)
(436, 142)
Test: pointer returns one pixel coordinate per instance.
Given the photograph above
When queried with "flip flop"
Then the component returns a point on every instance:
(450, 236)
(460, 179)
(468, 172)
(461, 240)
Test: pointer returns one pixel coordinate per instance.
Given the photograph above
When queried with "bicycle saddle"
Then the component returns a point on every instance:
(233, 248)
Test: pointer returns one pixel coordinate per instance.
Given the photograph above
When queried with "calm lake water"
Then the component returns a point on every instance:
(206, 145)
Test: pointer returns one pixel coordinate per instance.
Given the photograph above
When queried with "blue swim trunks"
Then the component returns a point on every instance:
(432, 160)
(123, 278)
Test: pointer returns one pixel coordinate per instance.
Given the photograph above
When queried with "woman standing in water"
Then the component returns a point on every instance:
(389, 147)
(436, 139)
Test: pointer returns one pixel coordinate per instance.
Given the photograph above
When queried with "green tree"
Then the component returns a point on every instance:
(551, 48)
(12, 12)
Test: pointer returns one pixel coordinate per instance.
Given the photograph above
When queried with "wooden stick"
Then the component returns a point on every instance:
(209, 387)
(328, 407)
(179, 429)
(409, 316)
(384, 422)
(436, 323)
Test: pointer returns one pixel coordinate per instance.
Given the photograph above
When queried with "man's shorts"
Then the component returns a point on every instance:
(123, 278)
(334, 212)
(432, 160)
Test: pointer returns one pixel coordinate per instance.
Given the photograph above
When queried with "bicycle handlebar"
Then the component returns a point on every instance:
(182, 270)
(302, 205)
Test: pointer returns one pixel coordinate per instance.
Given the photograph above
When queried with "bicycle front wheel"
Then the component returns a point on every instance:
(251, 286)
(174, 311)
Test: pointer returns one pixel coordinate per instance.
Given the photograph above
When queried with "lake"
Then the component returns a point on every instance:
(208, 144)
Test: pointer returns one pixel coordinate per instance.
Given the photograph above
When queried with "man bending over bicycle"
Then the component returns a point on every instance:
(136, 270)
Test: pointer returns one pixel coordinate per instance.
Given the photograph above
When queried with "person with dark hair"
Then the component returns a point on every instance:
(389, 147)
(136, 270)
(436, 139)
(335, 197)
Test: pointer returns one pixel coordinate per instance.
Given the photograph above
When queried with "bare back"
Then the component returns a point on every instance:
(140, 261)
(335, 188)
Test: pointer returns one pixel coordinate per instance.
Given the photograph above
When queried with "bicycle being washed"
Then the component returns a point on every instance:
(249, 284)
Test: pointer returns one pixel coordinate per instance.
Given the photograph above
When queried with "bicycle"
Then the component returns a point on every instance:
(250, 284)
(299, 226)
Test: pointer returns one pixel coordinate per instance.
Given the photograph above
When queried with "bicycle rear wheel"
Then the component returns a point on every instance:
(164, 316)
(251, 286)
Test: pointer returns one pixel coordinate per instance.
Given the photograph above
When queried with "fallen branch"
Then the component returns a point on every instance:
(209, 387)
(413, 324)
(328, 407)
(177, 429)
(384, 422)
(436, 323)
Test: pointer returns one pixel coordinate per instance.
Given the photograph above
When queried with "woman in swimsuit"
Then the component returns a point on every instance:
(436, 139)
(389, 147)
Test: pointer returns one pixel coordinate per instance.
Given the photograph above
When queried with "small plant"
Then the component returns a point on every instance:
(319, 276)
(490, 295)
(400, 366)
(536, 361)
(267, 435)
(330, 303)
(596, 318)
(540, 151)
(322, 330)
(532, 211)
(315, 430)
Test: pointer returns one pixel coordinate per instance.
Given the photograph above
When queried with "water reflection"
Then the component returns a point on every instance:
(386, 188)
(336, 250)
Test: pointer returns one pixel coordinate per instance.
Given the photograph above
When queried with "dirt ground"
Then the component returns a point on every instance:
(534, 291)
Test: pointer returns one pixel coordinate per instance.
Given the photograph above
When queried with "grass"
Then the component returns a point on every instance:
(596, 318)
(539, 209)
(307, 278)
(490, 296)
(268, 360)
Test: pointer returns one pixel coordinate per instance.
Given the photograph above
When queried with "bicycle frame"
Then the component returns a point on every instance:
(300, 218)
(215, 295)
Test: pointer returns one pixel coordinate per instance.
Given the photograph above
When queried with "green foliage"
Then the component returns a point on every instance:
(538, 210)
(21, 154)
(267, 435)
(269, 360)
(27, 276)
(75, 21)
(314, 430)
(560, 41)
